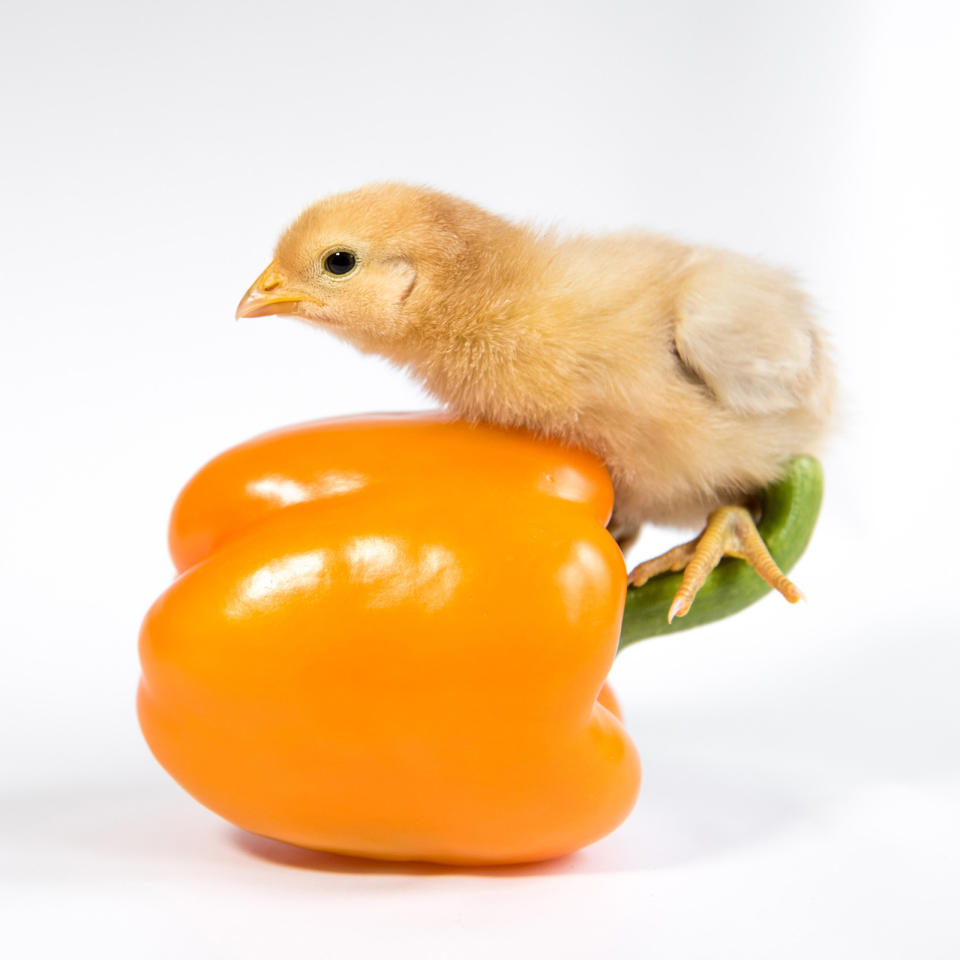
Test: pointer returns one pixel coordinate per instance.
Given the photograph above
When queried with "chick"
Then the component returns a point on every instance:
(694, 373)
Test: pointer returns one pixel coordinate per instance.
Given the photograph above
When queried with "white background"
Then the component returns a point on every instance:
(801, 765)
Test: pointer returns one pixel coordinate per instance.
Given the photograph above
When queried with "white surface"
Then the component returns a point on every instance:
(801, 766)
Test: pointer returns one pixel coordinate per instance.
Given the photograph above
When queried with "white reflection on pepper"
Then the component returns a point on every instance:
(275, 581)
(578, 578)
(284, 491)
(437, 575)
(567, 484)
(396, 574)
(372, 557)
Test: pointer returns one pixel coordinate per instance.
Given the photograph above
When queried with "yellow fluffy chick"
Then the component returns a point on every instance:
(694, 373)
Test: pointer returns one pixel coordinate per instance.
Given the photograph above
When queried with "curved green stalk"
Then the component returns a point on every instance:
(789, 514)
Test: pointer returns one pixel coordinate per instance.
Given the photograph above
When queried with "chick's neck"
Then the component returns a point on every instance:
(480, 343)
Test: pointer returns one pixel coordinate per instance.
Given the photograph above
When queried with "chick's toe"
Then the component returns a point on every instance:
(730, 532)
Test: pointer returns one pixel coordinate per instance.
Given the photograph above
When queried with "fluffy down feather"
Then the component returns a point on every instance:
(694, 373)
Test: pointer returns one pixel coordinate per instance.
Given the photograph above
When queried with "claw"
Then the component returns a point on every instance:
(731, 532)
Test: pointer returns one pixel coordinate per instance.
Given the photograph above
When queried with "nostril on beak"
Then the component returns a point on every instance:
(270, 283)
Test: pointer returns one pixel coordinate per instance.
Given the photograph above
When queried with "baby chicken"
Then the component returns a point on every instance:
(693, 373)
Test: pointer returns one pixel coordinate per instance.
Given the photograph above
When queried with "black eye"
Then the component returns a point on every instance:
(339, 262)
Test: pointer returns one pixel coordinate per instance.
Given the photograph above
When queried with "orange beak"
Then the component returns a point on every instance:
(271, 295)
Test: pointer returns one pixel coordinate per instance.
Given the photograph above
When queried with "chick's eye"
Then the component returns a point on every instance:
(339, 262)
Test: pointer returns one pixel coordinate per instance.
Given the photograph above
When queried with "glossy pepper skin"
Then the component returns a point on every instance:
(390, 637)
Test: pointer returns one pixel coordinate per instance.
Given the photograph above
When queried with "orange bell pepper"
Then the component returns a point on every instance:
(390, 637)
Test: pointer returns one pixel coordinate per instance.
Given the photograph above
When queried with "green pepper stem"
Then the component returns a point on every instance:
(789, 513)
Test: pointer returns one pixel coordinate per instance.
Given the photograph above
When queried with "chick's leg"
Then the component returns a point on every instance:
(624, 530)
(730, 532)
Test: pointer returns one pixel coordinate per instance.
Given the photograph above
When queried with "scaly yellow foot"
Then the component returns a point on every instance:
(730, 532)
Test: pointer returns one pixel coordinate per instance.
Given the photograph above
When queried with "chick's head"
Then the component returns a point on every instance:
(352, 262)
